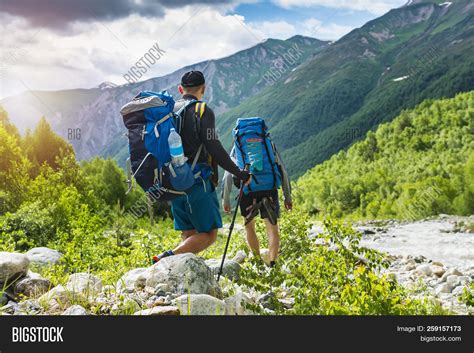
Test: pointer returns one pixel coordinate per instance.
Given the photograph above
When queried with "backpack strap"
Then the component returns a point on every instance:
(199, 110)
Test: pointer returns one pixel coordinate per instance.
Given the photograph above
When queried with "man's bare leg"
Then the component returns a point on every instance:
(185, 234)
(273, 239)
(252, 239)
(196, 242)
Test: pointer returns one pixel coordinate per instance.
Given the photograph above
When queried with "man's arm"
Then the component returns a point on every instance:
(209, 138)
(227, 182)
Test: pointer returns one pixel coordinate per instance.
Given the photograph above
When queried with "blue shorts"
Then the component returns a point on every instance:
(199, 210)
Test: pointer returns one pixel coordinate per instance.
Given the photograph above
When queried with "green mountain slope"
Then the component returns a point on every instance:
(421, 163)
(410, 54)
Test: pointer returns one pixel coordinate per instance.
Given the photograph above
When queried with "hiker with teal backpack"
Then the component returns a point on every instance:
(174, 157)
(254, 148)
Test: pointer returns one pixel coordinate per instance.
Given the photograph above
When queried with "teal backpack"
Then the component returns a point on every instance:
(253, 147)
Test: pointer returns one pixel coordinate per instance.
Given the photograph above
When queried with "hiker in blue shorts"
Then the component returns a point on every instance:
(197, 214)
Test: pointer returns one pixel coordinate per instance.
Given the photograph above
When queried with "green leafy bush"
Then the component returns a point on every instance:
(339, 278)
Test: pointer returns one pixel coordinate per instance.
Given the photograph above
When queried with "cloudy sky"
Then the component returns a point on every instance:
(62, 44)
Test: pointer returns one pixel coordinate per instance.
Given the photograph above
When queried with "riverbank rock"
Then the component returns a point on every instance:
(43, 256)
(230, 270)
(159, 311)
(84, 283)
(236, 304)
(75, 310)
(183, 274)
(31, 285)
(200, 304)
(132, 280)
(12, 266)
(424, 269)
(437, 270)
(240, 257)
(59, 298)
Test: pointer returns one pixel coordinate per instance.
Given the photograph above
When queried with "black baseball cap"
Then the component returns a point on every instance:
(192, 79)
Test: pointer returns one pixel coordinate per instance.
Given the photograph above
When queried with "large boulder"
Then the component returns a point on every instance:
(183, 274)
(132, 280)
(84, 283)
(43, 256)
(12, 266)
(32, 285)
(200, 304)
(230, 270)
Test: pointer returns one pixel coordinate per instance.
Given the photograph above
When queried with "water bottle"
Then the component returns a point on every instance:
(176, 149)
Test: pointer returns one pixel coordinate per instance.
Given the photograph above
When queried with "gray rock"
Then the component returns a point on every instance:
(240, 257)
(452, 280)
(453, 271)
(126, 307)
(443, 288)
(59, 298)
(268, 300)
(458, 290)
(12, 266)
(200, 304)
(184, 274)
(230, 270)
(437, 270)
(10, 308)
(419, 259)
(30, 307)
(236, 304)
(75, 310)
(132, 280)
(159, 311)
(32, 285)
(162, 289)
(43, 256)
(424, 269)
(84, 283)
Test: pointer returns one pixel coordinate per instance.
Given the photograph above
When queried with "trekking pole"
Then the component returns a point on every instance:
(231, 228)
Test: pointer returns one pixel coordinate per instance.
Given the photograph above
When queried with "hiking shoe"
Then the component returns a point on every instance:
(157, 258)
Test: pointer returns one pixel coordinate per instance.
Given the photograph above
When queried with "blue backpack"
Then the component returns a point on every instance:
(253, 147)
(149, 117)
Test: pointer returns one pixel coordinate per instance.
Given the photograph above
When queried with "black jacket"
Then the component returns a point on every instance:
(194, 133)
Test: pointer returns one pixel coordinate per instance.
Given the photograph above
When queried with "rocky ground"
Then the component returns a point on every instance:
(435, 254)
(178, 285)
(433, 258)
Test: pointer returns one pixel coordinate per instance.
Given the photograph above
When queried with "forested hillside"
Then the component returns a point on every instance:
(420, 164)
(394, 62)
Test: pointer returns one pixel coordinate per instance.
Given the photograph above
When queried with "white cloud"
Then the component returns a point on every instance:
(276, 29)
(90, 53)
(103, 51)
(377, 7)
(317, 29)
